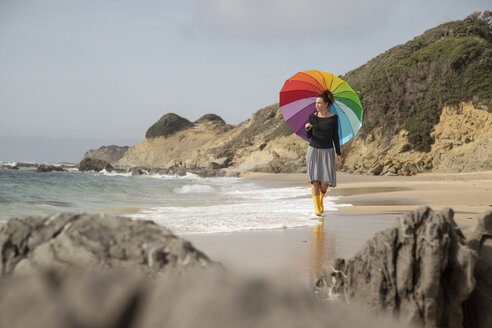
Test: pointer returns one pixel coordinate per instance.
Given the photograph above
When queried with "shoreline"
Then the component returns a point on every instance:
(377, 201)
(468, 194)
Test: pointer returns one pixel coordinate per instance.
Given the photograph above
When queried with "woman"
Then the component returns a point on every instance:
(322, 128)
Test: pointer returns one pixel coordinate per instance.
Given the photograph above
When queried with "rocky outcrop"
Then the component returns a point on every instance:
(462, 142)
(111, 154)
(89, 164)
(183, 149)
(421, 270)
(479, 304)
(94, 241)
(263, 143)
(168, 125)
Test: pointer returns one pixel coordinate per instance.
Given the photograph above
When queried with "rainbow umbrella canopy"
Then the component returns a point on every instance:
(298, 99)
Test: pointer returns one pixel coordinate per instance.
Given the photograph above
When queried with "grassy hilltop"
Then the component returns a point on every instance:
(408, 85)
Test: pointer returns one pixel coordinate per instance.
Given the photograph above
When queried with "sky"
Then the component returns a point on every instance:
(106, 70)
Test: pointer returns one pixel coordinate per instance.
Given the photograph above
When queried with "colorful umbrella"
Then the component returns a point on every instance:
(298, 99)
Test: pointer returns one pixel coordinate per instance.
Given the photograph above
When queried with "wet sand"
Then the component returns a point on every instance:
(376, 203)
(296, 252)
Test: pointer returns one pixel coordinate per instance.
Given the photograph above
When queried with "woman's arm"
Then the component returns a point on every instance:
(309, 127)
(336, 138)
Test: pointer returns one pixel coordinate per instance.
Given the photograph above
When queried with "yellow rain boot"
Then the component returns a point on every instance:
(321, 207)
(316, 205)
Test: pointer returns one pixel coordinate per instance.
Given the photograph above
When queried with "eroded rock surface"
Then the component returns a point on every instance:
(478, 308)
(94, 241)
(421, 270)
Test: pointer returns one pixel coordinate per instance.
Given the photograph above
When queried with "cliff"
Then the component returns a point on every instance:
(262, 143)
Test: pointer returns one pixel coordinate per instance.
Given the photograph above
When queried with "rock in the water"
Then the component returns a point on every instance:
(168, 124)
(50, 168)
(94, 241)
(478, 308)
(89, 164)
(420, 270)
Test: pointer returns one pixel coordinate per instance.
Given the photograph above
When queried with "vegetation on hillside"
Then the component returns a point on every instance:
(408, 85)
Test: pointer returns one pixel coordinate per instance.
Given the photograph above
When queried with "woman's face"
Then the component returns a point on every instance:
(320, 104)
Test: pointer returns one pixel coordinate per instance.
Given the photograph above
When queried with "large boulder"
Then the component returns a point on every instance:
(420, 270)
(91, 164)
(94, 241)
(111, 154)
(168, 125)
(478, 307)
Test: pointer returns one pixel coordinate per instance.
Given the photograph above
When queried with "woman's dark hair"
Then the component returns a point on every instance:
(327, 97)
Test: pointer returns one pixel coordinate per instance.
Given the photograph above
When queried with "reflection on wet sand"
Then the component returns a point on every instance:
(317, 250)
(341, 235)
(322, 250)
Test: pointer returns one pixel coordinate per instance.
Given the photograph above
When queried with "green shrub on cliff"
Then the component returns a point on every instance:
(408, 85)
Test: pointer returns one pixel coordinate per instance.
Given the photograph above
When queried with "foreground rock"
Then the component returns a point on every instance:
(69, 299)
(94, 241)
(81, 271)
(421, 271)
(478, 307)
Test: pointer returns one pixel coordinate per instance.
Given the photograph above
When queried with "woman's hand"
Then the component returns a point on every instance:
(308, 126)
(339, 159)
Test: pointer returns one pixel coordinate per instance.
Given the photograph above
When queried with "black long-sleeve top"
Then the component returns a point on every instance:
(324, 133)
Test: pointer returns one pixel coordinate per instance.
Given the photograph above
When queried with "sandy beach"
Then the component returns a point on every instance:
(376, 202)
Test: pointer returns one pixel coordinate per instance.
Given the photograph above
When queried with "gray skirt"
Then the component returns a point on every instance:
(321, 165)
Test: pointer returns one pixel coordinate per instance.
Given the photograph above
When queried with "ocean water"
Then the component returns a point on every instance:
(187, 204)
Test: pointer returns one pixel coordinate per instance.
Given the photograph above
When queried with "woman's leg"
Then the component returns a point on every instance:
(322, 191)
(315, 188)
(324, 187)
